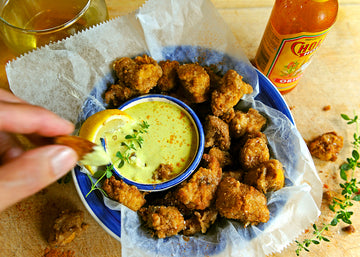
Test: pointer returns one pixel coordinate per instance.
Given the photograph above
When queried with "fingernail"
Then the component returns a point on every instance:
(63, 160)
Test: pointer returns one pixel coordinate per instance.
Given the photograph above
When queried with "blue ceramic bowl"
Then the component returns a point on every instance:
(183, 175)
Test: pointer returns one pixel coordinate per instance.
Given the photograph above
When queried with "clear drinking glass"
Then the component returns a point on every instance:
(28, 24)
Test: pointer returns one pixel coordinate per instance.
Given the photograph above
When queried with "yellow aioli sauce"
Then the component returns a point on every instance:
(170, 139)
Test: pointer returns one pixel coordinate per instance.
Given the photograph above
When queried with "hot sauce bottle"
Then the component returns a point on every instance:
(296, 29)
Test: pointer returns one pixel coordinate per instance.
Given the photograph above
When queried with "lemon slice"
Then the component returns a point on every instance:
(100, 124)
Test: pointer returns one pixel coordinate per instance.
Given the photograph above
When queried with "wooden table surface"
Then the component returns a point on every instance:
(332, 79)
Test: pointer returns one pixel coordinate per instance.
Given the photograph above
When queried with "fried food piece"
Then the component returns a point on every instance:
(237, 174)
(168, 198)
(119, 93)
(217, 133)
(242, 202)
(163, 172)
(327, 146)
(249, 122)
(169, 79)
(66, 227)
(228, 116)
(140, 74)
(213, 71)
(267, 177)
(199, 191)
(254, 152)
(164, 221)
(200, 222)
(223, 157)
(231, 90)
(195, 81)
(127, 195)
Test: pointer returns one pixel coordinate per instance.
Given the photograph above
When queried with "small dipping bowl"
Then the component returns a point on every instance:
(195, 148)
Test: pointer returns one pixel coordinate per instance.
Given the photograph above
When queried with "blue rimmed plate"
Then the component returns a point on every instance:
(109, 219)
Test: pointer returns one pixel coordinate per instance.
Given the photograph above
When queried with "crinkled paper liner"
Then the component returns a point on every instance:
(69, 77)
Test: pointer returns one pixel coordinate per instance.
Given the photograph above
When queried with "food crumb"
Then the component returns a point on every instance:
(58, 253)
(326, 108)
(186, 238)
(326, 186)
(291, 107)
(349, 229)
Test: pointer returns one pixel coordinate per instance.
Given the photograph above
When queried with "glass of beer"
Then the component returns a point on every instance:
(28, 24)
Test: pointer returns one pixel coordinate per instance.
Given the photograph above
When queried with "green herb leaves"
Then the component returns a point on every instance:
(349, 193)
(100, 175)
(130, 144)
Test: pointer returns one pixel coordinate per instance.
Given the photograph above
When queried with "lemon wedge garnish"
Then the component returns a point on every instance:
(98, 125)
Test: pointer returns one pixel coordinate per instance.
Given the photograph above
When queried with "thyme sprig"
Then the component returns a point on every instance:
(350, 189)
(99, 175)
(130, 144)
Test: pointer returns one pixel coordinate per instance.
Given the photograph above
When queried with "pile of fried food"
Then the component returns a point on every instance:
(236, 169)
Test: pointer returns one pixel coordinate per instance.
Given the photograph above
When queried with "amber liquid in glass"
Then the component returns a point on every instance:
(39, 22)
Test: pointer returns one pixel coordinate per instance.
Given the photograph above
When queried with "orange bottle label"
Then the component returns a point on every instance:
(283, 58)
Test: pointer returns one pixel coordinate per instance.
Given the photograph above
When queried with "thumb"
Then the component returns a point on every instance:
(32, 171)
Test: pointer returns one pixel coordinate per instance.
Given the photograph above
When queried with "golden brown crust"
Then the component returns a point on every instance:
(254, 152)
(242, 202)
(127, 195)
(267, 177)
(327, 146)
(231, 90)
(164, 221)
(249, 122)
(199, 191)
(163, 172)
(195, 82)
(140, 74)
(169, 80)
(216, 133)
(200, 221)
(66, 227)
(118, 93)
(81, 145)
(224, 157)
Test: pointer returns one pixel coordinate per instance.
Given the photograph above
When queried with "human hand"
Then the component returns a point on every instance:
(23, 173)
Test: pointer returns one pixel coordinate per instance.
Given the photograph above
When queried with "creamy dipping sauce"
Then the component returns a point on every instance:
(170, 139)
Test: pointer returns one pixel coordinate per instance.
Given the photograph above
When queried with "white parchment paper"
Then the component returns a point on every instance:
(69, 78)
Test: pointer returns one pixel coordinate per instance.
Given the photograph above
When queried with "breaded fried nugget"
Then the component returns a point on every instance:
(66, 227)
(118, 94)
(255, 151)
(127, 195)
(223, 157)
(200, 222)
(267, 177)
(195, 81)
(327, 146)
(217, 133)
(249, 122)
(242, 202)
(140, 74)
(163, 172)
(231, 90)
(164, 221)
(199, 191)
(215, 78)
(169, 79)
(237, 174)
